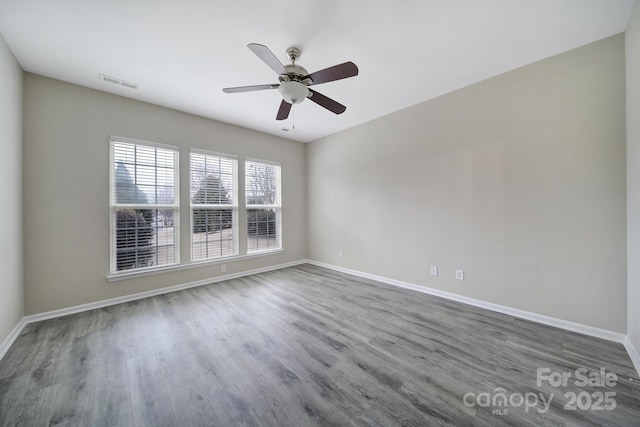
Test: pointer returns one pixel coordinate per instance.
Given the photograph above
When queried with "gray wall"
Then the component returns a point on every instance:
(11, 293)
(519, 180)
(66, 203)
(633, 176)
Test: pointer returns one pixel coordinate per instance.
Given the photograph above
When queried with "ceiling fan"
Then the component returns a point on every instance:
(295, 81)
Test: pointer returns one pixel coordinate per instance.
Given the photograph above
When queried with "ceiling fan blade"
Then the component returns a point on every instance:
(328, 103)
(337, 72)
(283, 111)
(267, 57)
(249, 88)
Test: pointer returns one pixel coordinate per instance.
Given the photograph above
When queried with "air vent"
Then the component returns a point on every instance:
(118, 81)
(109, 79)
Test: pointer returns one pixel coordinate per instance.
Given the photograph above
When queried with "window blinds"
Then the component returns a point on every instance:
(214, 205)
(144, 203)
(262, 197)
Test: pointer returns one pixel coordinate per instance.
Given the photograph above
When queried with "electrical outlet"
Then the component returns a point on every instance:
(339, 253)
(460, 274)
(434, 270)
(223, 268)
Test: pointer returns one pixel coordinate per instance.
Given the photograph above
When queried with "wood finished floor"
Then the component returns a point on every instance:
(296, 347)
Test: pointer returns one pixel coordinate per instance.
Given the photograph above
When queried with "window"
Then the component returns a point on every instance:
(144, 205)
(264, 215)
(214, 206)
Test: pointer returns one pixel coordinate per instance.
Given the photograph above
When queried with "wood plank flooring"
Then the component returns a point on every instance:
(305, 346)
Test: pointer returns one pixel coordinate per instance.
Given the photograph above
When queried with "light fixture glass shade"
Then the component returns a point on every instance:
(293, 92)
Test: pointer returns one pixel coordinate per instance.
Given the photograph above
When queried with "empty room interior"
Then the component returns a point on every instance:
(320, 213)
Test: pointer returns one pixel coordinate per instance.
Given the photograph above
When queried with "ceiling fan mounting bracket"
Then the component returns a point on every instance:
(293, 53)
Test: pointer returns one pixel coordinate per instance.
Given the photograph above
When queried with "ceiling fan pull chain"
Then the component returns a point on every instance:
(293, 117)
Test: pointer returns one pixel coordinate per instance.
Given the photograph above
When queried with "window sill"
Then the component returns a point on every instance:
(116, 277)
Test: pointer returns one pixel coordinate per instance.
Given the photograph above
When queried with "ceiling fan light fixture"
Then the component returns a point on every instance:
(293, 92)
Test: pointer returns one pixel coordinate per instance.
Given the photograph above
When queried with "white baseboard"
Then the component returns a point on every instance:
(546, 320)
(539, 318)
(633, 353)
(8, 341)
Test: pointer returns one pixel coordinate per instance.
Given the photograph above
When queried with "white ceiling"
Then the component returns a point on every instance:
(183, 52)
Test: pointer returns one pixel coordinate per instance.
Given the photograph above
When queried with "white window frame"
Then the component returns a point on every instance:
(113, 206)
(277, 206)
(233, 206)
